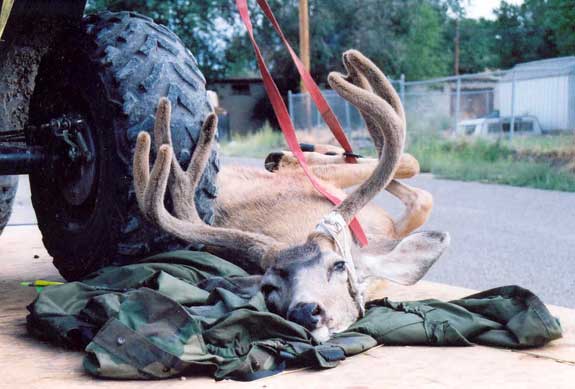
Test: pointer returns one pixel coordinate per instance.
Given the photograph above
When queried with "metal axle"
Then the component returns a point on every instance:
(21, 159)
(61, 138)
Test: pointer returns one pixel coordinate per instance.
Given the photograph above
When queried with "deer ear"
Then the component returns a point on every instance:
(410, 259)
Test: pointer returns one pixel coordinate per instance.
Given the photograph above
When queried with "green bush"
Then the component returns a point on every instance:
(490, 161)
(256, 145)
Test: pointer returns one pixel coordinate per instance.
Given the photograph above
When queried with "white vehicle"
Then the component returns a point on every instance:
(497, 126)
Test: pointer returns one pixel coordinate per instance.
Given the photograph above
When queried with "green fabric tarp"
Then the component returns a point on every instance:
(150, 320)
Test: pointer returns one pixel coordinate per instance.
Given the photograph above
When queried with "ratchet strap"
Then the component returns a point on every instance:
(282, 113)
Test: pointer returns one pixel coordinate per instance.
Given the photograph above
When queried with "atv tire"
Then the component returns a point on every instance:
(8, 187)
(112, 72)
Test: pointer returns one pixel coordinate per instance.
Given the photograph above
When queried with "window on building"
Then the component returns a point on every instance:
(241, 89)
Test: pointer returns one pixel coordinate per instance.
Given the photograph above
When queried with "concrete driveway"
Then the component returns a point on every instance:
(500, 235)
(26, 362)
(503, 235)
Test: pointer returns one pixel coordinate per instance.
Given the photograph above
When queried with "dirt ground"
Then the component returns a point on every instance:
(28, 363)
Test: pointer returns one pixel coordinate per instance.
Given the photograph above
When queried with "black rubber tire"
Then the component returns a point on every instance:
(8, 187)
(113, 71)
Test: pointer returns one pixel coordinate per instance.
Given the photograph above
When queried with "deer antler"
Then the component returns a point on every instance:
(379, 104)
(251, 250)
(378, 83)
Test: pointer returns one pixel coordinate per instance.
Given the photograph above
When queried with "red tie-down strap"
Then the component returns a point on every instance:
(281, 111)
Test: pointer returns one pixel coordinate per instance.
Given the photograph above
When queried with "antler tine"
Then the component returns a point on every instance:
(362, 72)
(150, 188)
(357, 78)
(163, 135)
(181, 183)
(203, 150)
(377, 80)
(251, 250)
(141, 167)
(353, 74)
(388, 130)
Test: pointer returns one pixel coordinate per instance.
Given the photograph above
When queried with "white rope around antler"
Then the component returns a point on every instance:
(335, 226)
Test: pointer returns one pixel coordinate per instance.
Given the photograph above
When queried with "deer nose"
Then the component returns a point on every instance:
(306, 314)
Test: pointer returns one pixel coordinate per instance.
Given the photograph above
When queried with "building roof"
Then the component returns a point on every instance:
(543, 68)
(231, 80)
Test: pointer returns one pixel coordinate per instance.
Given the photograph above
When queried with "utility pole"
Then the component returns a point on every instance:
(456, 42)
(304, 37)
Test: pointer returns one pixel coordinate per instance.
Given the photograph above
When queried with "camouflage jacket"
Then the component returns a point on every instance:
(151, 320)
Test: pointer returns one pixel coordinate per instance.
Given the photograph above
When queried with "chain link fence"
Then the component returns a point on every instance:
(536, 97)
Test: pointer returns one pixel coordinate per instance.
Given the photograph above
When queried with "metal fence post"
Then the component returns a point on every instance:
(457, 102)
(308, 111)
(290, 105)
(347, 117)
(402, 88)
(512, 123)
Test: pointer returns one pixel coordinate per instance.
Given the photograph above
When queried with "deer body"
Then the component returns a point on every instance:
(274, 222)
(283, 205)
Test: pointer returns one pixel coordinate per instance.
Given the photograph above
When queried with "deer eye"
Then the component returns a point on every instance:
(339, 266)
(267, 289)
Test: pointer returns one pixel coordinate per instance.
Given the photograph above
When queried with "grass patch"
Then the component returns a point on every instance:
(256, 145)
(563, 143)
(500, 161)
(544, 162)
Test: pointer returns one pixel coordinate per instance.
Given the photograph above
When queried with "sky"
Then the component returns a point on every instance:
(484, 8)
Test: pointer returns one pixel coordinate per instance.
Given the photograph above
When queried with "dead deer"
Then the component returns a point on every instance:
(277, 224)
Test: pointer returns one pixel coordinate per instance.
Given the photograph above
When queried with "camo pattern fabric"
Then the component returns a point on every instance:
(152, 320)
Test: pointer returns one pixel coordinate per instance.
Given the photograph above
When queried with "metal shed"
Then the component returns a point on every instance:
(544, 89)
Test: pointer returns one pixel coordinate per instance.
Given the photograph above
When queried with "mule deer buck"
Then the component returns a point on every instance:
(275, 223)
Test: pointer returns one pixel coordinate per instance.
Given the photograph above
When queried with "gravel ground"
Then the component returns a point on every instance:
(500, 235)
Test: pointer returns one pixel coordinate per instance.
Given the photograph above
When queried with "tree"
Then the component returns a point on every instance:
(425, 54)
(477, 45)
(401, 36)
(534, 30)
(413, 37)
(458, 9)
(560, 19)
(200, 24)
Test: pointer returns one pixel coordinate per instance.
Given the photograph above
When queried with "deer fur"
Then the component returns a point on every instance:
(266, 220)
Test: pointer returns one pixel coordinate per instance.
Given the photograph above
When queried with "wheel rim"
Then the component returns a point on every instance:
(78, 178)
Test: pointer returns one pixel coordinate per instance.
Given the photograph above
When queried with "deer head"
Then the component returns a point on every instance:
(319, 284)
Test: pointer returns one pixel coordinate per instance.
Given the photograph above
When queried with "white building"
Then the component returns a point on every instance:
(544, 89)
